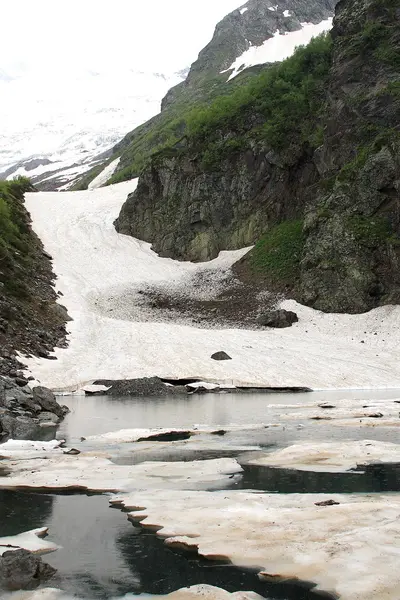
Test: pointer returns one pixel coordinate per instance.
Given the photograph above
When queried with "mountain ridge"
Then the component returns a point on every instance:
(328, 162)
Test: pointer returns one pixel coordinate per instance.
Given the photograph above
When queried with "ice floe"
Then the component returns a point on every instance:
(350, 549)
(331, 456)
(97, 473)
(196, 592)
(29, 540)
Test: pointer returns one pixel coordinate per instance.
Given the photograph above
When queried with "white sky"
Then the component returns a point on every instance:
(53, 37)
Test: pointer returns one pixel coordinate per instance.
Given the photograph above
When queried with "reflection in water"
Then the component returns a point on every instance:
(22, 512)
(94, 415)
(379, 478)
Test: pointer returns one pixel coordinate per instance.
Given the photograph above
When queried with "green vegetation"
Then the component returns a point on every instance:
(370, 231)
(14, 232)
(374, 41)
(277, 255)
(279, 107)
(381, 137)
(169, 127)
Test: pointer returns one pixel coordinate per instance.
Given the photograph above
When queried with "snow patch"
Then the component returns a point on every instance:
(279, 47)
(105, 175)
(30, 540)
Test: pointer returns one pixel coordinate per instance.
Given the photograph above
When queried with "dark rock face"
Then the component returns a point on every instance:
(221, 356)
(279, 319)
(23, 411)
(22, 570)
(351, 259)
(151, 386)
(30, 320)
(192, 214)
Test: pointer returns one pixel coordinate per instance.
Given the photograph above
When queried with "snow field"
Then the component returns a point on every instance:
(322, 351)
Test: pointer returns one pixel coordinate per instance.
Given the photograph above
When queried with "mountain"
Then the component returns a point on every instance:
(56, 140)
(251, 34)
(302, 160)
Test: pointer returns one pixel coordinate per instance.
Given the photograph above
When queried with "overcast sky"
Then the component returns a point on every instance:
(54, 36)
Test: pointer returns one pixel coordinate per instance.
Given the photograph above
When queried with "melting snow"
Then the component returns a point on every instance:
(90, 258)
(331, 456)
(351, 549)
(94, 472)
(30, 540)
(105, 175)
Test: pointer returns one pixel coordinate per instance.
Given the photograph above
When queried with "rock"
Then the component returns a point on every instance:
(48, 417)
(22, 570)
(147, 386)
(221, 356)
(327, 503)
(168, 436)
(278, 318)
(17, 427)
(47, 400)
(72, 452)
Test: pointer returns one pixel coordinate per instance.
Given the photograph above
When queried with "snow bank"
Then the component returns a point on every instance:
(203, 592)
(30, 540)
(351, 549)
(97, 473)
(279, 47)
(96, 266)
(333, 457)
(25, 448)
(105, 175)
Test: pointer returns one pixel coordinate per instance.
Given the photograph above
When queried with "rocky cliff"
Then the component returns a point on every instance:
(304, 159)
(30, 320)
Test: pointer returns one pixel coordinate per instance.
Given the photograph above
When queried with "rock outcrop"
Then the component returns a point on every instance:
(23, 412)
(335, 175)
(23, 570)
(146, 386)
(279, 319)
(351, 257)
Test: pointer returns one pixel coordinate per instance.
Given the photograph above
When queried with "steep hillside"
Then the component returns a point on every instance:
(242, 30)
(307, 154)
(30, 320)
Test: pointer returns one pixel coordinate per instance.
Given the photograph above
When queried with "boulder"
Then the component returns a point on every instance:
(47, 400)
(16, 426)
(278, 318)
(221, 356)
(22, 570)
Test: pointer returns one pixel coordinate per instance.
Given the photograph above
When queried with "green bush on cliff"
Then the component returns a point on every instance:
(278, 106)
(13, 230)
(277, 255)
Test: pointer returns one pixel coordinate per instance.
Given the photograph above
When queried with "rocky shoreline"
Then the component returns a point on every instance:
(25, 411)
